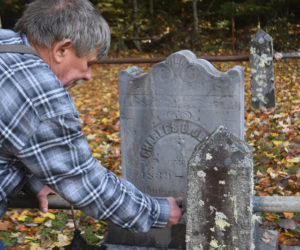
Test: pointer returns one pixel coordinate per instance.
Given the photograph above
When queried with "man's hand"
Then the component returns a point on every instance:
(42, 197)
(176, 212)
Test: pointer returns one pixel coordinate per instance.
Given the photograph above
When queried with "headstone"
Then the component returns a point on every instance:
(262, 71)
(219, 194)
(124, 247)
(265, 239)
(164, 113)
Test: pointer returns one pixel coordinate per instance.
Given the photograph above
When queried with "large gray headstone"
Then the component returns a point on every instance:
(262, 71)
(164, 114)
(219, 194)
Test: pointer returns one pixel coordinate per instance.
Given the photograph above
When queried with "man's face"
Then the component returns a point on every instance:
(74, 68)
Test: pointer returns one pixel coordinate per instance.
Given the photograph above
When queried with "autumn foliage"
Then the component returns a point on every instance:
(273, 133)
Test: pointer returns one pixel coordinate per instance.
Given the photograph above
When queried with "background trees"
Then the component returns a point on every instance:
(202, 25)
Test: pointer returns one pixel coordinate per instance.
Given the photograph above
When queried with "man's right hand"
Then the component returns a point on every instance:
(176, 213)
(42, 197)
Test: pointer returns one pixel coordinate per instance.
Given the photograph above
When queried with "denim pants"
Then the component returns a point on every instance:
(1, 245)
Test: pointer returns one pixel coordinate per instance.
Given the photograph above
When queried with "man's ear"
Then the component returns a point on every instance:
(61, 49)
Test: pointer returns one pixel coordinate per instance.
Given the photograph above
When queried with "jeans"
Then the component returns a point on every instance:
(1, 245)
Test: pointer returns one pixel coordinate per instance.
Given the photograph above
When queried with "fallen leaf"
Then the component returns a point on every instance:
(294, 160)
(22, 218)
(49, 215)
(6, 226)
(46, 244)
(39, 219)
(288, 215)
(287, 224)
(63, 240)
(48, 223)
(21, 239)
(267, 237)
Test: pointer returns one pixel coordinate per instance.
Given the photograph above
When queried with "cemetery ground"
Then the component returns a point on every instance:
(273, 133)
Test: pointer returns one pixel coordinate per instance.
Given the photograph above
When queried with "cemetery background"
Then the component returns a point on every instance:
(274, 134)
(221, 26)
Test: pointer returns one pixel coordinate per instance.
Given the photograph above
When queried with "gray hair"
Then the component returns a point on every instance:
(48, 21)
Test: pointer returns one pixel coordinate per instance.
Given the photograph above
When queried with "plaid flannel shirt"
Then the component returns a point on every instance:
(40, 131)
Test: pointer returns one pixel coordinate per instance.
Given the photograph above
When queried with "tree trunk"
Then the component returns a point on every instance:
(195, 13)
(151, 4)
(233, 38)
(136, 25)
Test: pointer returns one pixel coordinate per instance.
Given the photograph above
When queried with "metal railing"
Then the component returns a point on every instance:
(277, 56)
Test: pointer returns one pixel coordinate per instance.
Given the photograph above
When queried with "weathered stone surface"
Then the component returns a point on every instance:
(164, 238)
(284, 247)
(123, 247)
(265, 239)
(220, 182)
(262, 71)
(164, 114)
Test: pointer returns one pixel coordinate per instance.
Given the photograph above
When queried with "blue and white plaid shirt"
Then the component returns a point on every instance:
(40, 131)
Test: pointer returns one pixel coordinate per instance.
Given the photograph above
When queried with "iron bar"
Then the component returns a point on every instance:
(260, 203)
(276, 204)
(159, 59)
(276, 56)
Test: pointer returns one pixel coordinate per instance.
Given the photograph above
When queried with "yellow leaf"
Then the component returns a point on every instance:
(29, 238)
(271, 155)
(78, 213)
(35, 246)
(66, 230)
(22, 217)
(49, 215)
(276, 143)
(283, 173)
(288, 215)
(286, 144)
(62, 241)
(105, 120)
(39, 220)
(294, 160)
(97, 155)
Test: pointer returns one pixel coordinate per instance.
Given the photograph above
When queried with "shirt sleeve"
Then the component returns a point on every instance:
(58, 155)
(33, 186)
(10, 177)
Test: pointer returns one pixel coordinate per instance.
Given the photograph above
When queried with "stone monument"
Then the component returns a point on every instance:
(262, 70)
(164, 114)
(219, 194)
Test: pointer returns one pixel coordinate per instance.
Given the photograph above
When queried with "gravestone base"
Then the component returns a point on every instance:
(123, 247)
(157, 238)
(265, 239)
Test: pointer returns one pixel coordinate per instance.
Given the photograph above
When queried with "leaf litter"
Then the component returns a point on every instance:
(273, 132)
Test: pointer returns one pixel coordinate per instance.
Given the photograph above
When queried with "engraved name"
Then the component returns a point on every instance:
(176, 126)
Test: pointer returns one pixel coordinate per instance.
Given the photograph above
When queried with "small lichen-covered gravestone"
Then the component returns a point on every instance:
(219, 195)
(262, 71)
(164, 114)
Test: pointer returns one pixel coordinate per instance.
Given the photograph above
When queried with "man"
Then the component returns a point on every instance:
(40, 133)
